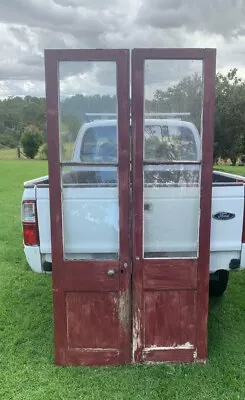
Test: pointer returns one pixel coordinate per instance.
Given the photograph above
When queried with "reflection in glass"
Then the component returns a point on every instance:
(171, 211)
(88, 134)
(173, 91)
(171, 140)
(100, 144)
(89, 176)
(87, 96)
(90, 212)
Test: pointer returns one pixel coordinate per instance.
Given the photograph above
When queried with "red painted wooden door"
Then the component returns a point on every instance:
(107, 197)
(89, 200)
(172, 184)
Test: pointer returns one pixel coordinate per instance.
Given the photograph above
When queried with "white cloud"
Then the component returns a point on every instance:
(27, 27)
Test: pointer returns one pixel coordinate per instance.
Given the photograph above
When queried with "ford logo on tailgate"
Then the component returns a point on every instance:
(224, 215)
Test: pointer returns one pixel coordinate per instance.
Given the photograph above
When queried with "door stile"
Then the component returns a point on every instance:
(205, 206)
(137, 205)
(124, 206)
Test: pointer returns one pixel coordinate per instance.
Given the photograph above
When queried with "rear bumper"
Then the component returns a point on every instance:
(218, 260)
(34, 258)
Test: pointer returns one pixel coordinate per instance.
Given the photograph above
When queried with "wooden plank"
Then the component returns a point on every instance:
(60, 339)
(169, 356)
(124, 311)
(53, 140)
(173, 275)
(85, 54)
(92, 357)
(88, 277)
(170, 54)
(205, 203)
(137, 202)
(92, 320)
(52, 117)
(170, 318)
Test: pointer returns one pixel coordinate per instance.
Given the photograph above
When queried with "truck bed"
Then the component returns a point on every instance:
(91, 220)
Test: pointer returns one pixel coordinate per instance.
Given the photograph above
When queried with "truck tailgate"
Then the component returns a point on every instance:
(171, 225)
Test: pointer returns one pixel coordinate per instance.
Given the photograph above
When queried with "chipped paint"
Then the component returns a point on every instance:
(123, 309)
(195, 355)
(136, 333)
(187, 345)
(94, 349)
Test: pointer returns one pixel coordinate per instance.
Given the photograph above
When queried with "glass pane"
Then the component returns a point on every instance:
(171, 210)
(90, 212)
(173, 91)
(88, 111)
(88, 134)
(171, 140)
(173, 110)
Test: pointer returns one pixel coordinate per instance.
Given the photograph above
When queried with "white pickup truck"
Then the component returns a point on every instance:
(83, 230)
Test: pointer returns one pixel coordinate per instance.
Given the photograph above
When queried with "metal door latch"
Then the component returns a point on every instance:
(111, 272)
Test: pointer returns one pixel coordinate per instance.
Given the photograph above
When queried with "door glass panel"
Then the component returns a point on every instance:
(89, 159)
(171, 140)
(88, 94)
(173, 91)
(171, 210)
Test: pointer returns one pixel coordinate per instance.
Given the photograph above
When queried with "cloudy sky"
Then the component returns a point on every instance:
(27, 27)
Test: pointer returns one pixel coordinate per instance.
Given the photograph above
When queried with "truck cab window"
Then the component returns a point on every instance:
(169, 143)
(99, 144)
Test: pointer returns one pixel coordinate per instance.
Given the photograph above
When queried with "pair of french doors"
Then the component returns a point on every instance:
(130, 178)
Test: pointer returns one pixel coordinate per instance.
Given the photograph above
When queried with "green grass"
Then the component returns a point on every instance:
(8, 154)
(238, 170)
(27, 370)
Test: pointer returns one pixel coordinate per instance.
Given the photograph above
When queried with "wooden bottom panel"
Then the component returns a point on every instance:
(170, 274)
(170, 318)
(92, 320)
(171, 355)
(90, 357)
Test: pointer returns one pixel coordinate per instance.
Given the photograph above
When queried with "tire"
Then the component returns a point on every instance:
(218, 282)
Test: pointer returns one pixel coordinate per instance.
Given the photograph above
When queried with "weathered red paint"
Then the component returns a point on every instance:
(170, 318)
(76, 284)
(169, 356)
(137, 205)
(98, 313)
(205, 203)
(169, 296)
(167, 274)
(155, 288)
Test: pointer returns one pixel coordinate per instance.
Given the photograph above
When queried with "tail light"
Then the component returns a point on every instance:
(30, 223)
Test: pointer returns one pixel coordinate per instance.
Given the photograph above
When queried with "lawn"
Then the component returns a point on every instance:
(238, 170)
(27, 370)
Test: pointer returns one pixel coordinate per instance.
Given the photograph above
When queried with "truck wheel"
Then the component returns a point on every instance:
(218, 282)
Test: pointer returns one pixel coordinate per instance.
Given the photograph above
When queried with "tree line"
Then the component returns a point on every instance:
(23, 121)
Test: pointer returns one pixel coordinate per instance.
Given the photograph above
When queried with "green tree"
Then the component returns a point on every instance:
(31, 140)
(185, 96)
(229, 129)
(230, 117)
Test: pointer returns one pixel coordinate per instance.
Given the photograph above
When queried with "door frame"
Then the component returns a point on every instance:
(196, 271)
(66, 274)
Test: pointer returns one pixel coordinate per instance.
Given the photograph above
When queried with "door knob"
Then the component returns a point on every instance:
(111, 272)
